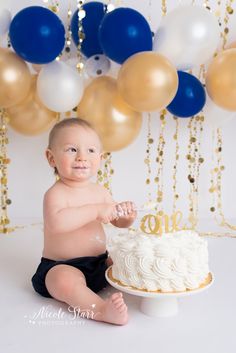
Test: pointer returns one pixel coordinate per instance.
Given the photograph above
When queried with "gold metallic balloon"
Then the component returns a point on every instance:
(15, 78)
(221, 79)
(116, 123)
(147, 81)
(31, 117)
(231, 45)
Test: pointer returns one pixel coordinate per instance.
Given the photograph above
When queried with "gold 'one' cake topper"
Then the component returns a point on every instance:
(162, 223)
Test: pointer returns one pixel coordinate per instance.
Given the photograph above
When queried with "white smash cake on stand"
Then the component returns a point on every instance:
(170, 263)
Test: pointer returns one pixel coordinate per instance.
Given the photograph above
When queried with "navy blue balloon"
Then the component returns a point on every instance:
(124, 32)
(95, 12)
(190, 97)
(37, 35)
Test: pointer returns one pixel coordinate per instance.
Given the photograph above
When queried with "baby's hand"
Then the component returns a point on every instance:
(126, 210)
(107, 212)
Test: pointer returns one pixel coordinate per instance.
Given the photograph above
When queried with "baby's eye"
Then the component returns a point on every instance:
(71, 149)
(91, 150)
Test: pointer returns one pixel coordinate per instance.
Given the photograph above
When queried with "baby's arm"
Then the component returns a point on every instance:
(60, 218)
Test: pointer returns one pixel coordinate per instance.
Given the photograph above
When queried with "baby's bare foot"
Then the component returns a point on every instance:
(115, 310)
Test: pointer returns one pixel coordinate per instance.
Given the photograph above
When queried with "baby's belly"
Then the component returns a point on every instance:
(87, 241)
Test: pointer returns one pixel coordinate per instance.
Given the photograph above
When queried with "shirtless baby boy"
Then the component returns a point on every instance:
(74, 259)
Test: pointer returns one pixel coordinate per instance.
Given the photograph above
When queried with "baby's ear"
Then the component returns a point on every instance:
(50, 158)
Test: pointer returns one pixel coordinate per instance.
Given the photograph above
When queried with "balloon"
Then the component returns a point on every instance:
(5, 20)
(124, 32)
(94, 13)
(30, 117)
(190, 97)
(232, 45)
(37, 34)
(59, 86)
(221, 79)
(97, 65)
(73, 62)
(147, 81)
(14, 78)
(215, 116)
(188, 36)
(116, 123)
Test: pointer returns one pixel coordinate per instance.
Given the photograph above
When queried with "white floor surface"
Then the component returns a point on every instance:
(29, 323)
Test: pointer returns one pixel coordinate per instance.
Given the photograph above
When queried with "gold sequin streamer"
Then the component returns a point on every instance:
(175, 166)
(160, 161)
(216, 183)
(228, 11)
(163, 7)
(81, 35)
(4, 162)
(194, 161)
(207, 4)
(68, 33)
(104, 175)
(218, 12)
(147, 159)
(53, 5)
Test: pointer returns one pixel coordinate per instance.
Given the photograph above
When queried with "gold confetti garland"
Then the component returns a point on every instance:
(160, 162)
(163, 7)
(147, 160)
(81, 35)
(175, 166)
(104, 175)
(68, 33)
(216, 182)
(53, 5)
(4, 162)
(194, 161)
(228, 11)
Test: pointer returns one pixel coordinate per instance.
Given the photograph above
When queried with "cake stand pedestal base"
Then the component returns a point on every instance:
(161, 307)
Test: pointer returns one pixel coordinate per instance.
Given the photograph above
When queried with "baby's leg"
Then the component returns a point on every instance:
(68, 284)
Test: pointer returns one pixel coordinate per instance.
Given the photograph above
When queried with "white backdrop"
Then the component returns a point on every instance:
(30, 176)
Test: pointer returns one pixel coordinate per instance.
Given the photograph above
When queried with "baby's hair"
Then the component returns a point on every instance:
(67, 123)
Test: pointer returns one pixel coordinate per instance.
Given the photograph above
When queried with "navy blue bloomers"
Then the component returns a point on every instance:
(93, 268)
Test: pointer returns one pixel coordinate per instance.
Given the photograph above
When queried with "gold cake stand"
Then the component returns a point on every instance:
(157, 303)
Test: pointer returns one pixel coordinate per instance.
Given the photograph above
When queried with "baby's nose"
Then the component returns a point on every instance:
(81, 156)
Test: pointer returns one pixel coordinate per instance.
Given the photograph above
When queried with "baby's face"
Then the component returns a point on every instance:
(76, 153)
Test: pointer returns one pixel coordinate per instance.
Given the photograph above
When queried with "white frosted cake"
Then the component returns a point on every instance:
(172, 262)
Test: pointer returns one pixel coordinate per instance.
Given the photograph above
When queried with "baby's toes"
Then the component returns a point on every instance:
(116, 296)
(122, 309)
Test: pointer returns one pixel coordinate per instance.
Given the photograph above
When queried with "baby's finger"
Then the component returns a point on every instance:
(125, 208)
(129, 207)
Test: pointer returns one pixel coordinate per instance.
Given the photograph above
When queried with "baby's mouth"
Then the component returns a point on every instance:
(81, 168)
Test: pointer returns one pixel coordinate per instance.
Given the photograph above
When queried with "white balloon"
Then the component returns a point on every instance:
(215, 116)
(5, 20)
(73, 62)
(59, 86)
(97, 65)
(188, 36)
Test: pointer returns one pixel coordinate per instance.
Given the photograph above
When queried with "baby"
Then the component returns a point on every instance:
(74, 258)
